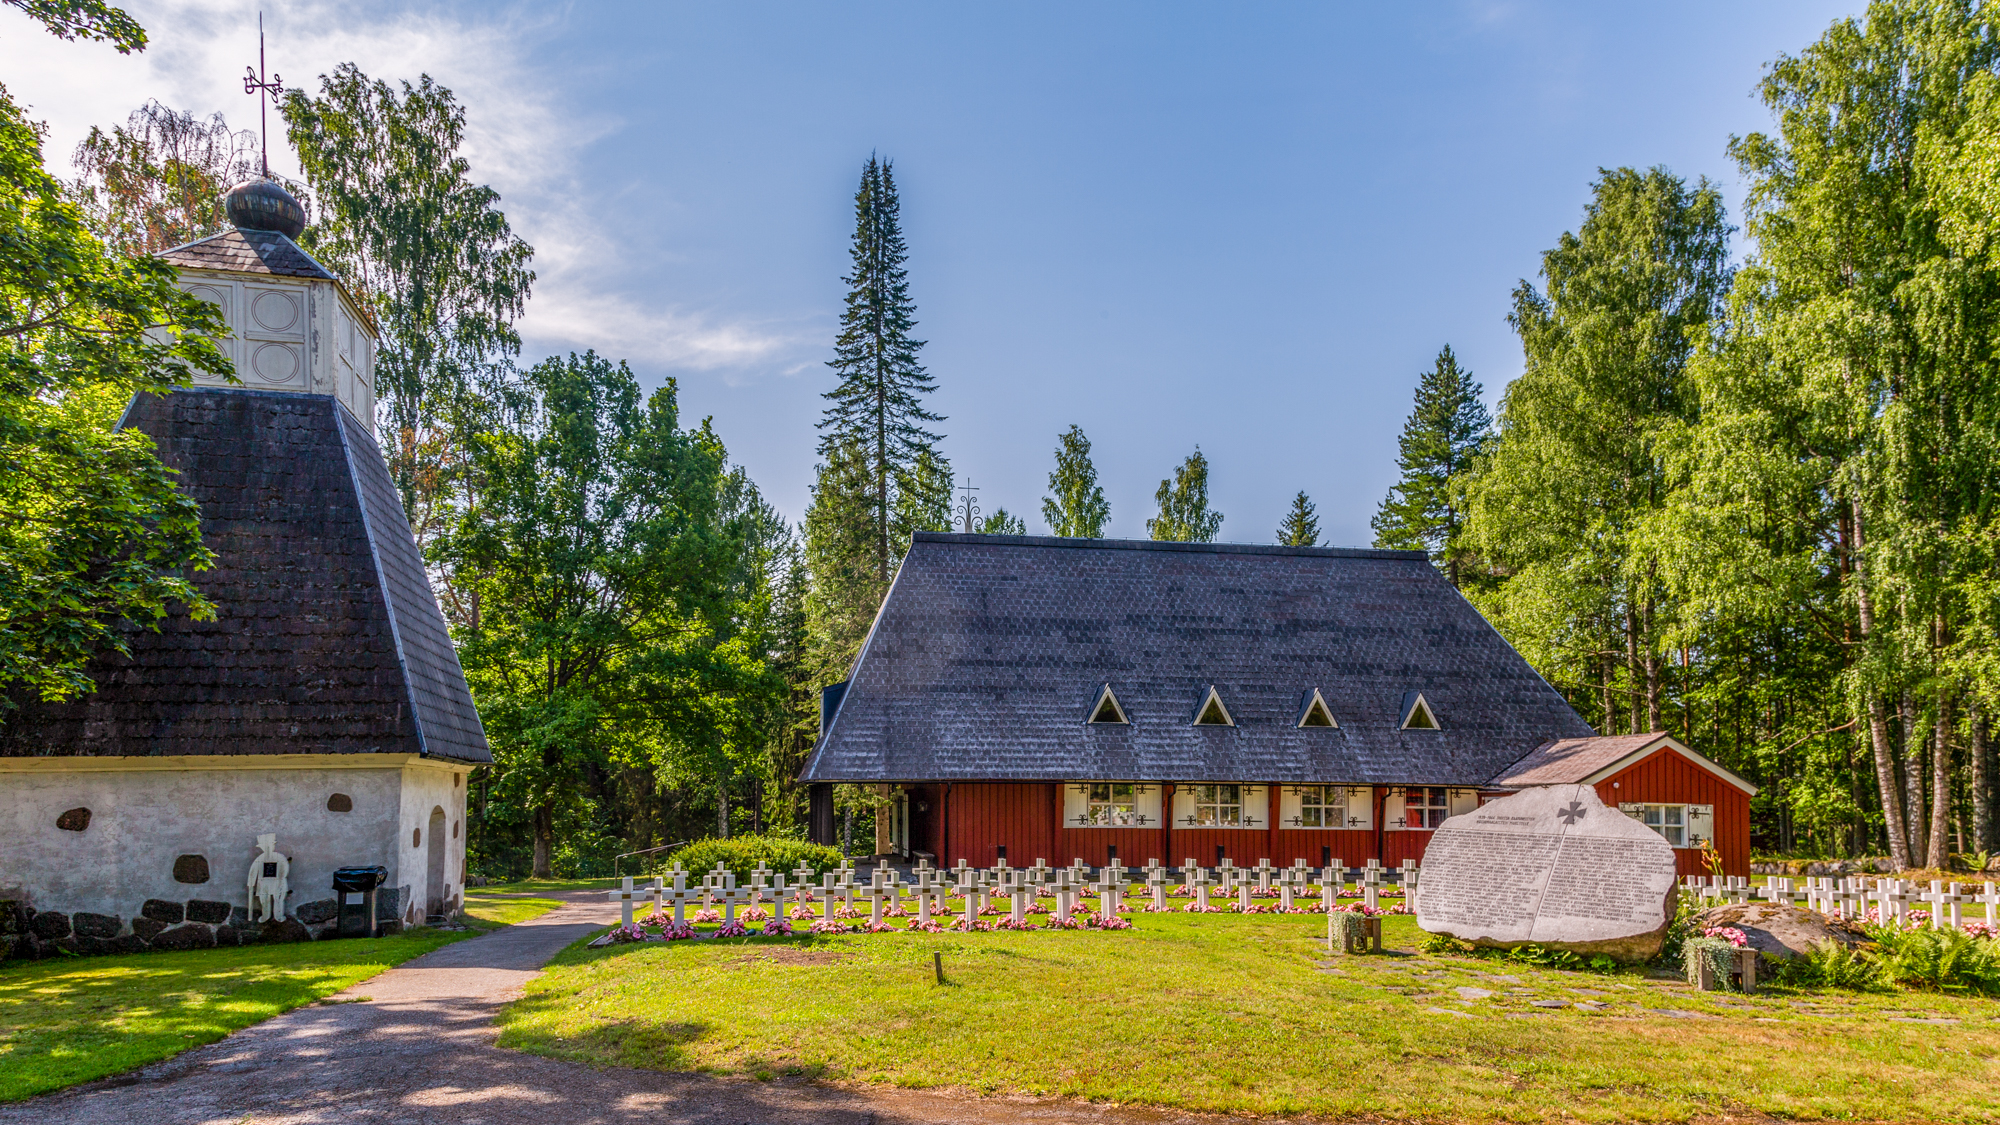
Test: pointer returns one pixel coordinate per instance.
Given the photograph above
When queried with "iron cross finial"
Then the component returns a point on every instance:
(969, 509)
(255, 84)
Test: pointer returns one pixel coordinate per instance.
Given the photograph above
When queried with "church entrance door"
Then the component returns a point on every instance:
(434, 869)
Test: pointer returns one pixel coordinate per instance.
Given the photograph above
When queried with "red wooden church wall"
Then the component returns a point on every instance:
(1668, 778)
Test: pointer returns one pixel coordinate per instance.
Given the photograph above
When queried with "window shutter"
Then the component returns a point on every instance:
(1392, 809)
(1464, 801)
(1701, 825)
(1184, 805)
(1257, 807)
(1146, 805)
(1361, 809)
(1076, 803)
(1288, 807)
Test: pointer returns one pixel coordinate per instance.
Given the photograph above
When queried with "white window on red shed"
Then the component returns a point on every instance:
(1681, 826)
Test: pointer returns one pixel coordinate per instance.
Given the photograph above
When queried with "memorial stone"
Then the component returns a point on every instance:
(1550, 866)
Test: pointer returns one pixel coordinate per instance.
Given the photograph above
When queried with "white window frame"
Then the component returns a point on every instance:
(1680, 825)
(1117, 708)
(1319, 802)
(1144, 802)
(1218, 798)
(1213, 697)
(1317, 702)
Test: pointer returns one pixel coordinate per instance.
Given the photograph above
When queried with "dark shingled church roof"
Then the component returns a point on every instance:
(247, 251)
(327, 638)
(990, 651)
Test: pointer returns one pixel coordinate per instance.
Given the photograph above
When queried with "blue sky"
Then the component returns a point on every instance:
(1243, 227)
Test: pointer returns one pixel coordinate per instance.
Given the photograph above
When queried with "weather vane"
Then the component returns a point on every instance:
(254, 83)
(969, 509)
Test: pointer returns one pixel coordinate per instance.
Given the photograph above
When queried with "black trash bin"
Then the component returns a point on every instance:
(355, 888)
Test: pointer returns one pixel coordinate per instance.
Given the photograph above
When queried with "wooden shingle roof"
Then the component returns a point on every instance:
(247, 251)
(990, 652)
(327, 638)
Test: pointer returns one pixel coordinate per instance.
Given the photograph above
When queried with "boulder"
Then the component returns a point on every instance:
(191, 935)
(160, 910)
(205, 910)
(1779, 930)
(49, 925)
(146, 929)
(317, 912)
(96, 925)
(287, 930)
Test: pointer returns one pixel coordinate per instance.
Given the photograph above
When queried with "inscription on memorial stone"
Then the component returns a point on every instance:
(1550, 866)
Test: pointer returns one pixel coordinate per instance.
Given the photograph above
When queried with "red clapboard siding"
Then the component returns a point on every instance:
(1402, 844)
(985, 816)
(1350, 847)
(1240, 846)
(1667, 777)
(1092, 846)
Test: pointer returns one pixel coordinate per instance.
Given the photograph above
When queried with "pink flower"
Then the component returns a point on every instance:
(1982, 929)
(874, 928)
(731, 929)
(1010, 924)
(627, 932)
(1198, 908)
(677, 931)
(959, 924)
(930, 927)
(778, 928)
(1730, 934)
(989, 911)
(1037, 908)
(1065, 924)
(846, 912)
(1109, 922)
(656, 919)
(828, 926)
(708, 914)
(755, 914)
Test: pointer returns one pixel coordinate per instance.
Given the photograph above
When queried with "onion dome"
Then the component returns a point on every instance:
(264, 205)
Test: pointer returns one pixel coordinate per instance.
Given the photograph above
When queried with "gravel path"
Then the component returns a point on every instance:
(415, 1045)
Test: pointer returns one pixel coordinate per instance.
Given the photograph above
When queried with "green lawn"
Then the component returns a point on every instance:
(1226, 1013)
(72, 1019)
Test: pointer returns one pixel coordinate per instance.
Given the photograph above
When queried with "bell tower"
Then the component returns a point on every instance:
(293, 325)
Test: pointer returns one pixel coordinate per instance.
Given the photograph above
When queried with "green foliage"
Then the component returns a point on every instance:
(1002, 523)
(1440, 442)
(877, 410)
(157, 181)
(1428, 942)
(611, 560)
(1939, 960)
(741, 854)
(1717, 954)
(430, 254)
(86, 19)
(1831, 964)
(94, 536)
(1301, 526)
(1078, 509)
(1184, 516)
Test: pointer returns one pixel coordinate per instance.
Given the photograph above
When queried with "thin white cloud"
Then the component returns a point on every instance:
(524, 135)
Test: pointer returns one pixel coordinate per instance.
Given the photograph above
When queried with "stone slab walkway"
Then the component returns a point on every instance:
(414, 1046)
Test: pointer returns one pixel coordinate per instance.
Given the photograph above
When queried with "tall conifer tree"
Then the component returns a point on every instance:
(1078, 508)
(878, 406)
(1301, 526)
(1184, 516)
(1440, 439)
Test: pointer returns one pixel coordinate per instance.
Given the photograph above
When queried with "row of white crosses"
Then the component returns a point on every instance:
(1892, 899)
(979, 887)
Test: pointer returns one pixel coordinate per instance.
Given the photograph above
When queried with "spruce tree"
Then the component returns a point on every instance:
(1184, 516)
(1301, 526)
(1001, 522)
(1078, 509)
(878, 406)
(1443, 434)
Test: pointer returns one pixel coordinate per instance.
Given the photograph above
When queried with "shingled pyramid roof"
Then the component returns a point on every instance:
(327, 638)
(990, 651)
(248, 251)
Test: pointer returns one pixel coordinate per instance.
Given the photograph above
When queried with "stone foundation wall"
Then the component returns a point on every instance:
(196, 923)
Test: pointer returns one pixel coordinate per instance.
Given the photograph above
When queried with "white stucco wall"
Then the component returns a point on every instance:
(428, 785)
(146, 812)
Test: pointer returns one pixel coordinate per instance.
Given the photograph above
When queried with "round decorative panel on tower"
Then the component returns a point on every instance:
(275, 312)
(263, 205)
(275, 363)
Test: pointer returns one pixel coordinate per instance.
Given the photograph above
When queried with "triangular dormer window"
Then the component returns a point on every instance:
(1107, 709)
(1317, 713)
(1212, 713)
(1417, 713)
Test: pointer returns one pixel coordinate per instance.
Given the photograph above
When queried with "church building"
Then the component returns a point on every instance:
(1025, 698)
(324, 707)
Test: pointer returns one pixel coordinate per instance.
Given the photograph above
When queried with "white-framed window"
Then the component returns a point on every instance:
(1212, 713)
(1218, 806)
(1108, 709)
(1322, 806)
(1111, 804)
(1681, 826)
(1425, 806)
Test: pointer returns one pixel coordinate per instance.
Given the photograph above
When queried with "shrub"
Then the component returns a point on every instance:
(1941, 960)
(1442, 943)
(1717, 952)
(1831, 964)
(741, 854)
